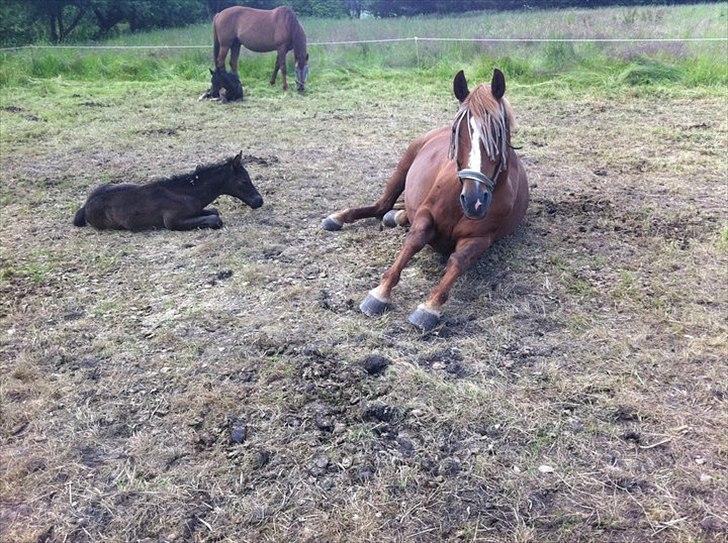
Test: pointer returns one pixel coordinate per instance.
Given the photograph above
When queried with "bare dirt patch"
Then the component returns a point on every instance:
(222, 385)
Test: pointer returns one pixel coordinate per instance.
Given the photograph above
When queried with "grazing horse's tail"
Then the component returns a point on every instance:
(80, 218)
(215, 44)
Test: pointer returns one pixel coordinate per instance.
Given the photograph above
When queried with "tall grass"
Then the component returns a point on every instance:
(573, 65)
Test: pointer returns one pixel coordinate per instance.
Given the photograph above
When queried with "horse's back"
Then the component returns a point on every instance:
(259, 30)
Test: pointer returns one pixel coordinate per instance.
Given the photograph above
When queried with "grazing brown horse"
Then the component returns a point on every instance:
(464, 187)
(261, 30)
(177, 203)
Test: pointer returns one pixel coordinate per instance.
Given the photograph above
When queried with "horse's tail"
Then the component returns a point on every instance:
(215, 43)
(80, 218)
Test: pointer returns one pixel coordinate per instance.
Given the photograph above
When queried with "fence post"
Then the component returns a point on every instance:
(417, 47)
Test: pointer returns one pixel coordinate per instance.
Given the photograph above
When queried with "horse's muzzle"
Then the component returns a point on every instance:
(476, 195)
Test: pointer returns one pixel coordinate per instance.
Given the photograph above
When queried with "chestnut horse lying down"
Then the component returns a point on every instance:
(177, 203)
(464, 187)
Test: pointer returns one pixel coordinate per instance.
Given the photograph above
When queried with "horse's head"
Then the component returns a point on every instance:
(229, 82)
(301, 72)
(238, 184)
(480, 140)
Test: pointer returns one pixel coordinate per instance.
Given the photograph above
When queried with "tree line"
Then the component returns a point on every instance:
(56, 21)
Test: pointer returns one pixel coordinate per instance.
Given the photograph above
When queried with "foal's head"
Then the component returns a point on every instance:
(480, 141)
(237, 182)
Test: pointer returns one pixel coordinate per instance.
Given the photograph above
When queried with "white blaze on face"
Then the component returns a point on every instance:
(474, 162)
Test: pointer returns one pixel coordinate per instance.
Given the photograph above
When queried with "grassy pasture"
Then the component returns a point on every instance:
(592, 342)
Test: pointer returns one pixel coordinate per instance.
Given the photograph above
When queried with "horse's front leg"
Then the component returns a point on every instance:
(283, 69)
(378, 300)
(467, 251)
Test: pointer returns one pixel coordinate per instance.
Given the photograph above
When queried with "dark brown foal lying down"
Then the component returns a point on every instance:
(464, 187)
(176, 203)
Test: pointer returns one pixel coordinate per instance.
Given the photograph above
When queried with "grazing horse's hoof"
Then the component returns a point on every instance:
(373, 306)
(331, 224)
(389, 218)
(424, 319)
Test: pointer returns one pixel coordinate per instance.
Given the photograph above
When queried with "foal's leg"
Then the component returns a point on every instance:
(210, 211)
(378, 300)
(394, 187)
(466, 253)
(175, 222)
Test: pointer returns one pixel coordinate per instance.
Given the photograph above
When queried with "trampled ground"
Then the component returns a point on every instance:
(590, 345)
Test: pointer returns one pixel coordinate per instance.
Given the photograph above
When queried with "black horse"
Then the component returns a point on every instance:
(177, 203)
(224, 85)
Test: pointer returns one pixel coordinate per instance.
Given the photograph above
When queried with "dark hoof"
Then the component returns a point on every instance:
(388, 219)
(424, 320)
(216, 222)
(331, 224)
(373, 307)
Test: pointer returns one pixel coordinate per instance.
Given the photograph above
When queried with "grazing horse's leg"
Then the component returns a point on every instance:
(276, 66)
(234, 56)
(392, 190)
(174, 222)
(220, 60)
(466, 253)
(378, 300)
(282, 51)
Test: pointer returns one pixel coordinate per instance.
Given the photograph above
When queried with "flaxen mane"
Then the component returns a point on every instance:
(493, 119)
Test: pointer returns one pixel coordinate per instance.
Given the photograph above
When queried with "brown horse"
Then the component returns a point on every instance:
(464, 188)
(261, 30)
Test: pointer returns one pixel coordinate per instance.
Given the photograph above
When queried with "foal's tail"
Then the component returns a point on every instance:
(80, 218)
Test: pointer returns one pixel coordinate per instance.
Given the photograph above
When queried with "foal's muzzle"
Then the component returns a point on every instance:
(475, 197)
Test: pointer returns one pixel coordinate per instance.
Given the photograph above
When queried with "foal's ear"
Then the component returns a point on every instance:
(460, 86)
(238, 160)
(498, 84)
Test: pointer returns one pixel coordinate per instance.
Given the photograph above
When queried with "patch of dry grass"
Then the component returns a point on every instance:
(593, 341)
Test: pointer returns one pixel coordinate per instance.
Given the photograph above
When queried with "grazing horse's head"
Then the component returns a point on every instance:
(238, 184)
(221, 80)
(480, 141)
(301, 72)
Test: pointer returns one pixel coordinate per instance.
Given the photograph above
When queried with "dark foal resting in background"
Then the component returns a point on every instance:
(464, 187)
(261, 30)
(176, 203)
(225, 86)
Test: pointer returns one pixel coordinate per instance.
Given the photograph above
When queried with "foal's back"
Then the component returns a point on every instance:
(126, 206)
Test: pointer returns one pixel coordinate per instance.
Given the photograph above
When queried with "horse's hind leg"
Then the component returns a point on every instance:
(234, 56)
(282, 64)
(221, 56)
(392, 191)
(277, 66)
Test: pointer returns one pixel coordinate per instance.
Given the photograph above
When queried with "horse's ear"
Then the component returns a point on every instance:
(460, 86)
(498, 84)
